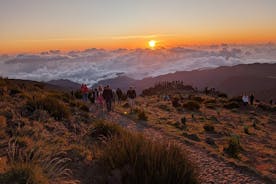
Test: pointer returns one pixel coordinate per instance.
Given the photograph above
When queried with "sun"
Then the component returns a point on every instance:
(152, 44)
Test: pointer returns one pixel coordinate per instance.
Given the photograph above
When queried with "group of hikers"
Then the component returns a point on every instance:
(108, 97)
(248, 99)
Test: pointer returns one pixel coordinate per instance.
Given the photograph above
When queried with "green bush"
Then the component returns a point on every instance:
(142, 161)
(191, 106)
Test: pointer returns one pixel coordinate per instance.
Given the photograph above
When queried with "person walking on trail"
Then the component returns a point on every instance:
(100, 99)
(119, 95)
(108, 96)
(251, 99)
(245, 99)
(131, 95)
(84, 91)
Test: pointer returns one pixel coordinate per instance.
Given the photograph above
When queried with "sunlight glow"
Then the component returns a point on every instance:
(152, 44)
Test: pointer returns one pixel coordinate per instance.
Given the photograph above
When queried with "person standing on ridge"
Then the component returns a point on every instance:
(251, 97)
(119, 95)
(131, 95)
(108, 96)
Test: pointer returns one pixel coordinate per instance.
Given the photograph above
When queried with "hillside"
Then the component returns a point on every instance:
(256, 78)
(49, 136)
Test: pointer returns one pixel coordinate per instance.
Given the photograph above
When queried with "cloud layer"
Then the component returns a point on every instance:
(92, 65)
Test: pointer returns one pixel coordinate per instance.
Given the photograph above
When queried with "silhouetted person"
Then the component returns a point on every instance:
(271, 102)
(245, 99)
(108, 96)
(251, 99)
(84, 91)
(119, 95)
(131, 95)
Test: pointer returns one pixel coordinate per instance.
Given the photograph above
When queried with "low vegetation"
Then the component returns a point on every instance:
(140, 160)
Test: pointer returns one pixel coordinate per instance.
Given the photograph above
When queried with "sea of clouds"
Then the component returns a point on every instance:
(92, 65)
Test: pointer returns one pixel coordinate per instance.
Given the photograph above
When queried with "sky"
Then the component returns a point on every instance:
(37, 25)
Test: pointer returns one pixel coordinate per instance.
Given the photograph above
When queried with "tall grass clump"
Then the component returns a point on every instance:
(191, 106)
(34, 167)
(102, 129)
(140, 160)
(53, 106)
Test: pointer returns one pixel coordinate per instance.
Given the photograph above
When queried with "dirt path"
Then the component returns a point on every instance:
(211, 169)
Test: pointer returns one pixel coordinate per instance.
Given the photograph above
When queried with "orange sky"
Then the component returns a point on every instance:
(37, 25)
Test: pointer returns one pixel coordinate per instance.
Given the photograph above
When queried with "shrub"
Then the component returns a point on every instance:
(231, 105)
(3, 123)
(103, 129)
(34, 166)
(222, 95)
(84, 108)
(78, 94)
(14, 91)
(126, 105)
(53, 106)
(234, 146)
(209, 128)
(210, 141)
(197, 98)
(237, 99)
(183, 120)
(265, 107)
(142, 115)
(246, 129)
(164, 107)
(191, 106)
(193, 137)
(143, 161)
(23, 173)
(175, 102)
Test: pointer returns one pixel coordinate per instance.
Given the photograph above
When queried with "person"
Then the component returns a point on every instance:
(251, 99)
(271, 102)
(115, 97)
(131, 95)
(119, 95)
(84, 91)
(245, 99)
(108, 96)
(100, 99)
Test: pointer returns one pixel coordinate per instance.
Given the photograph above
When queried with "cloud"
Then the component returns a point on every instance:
(92, 65)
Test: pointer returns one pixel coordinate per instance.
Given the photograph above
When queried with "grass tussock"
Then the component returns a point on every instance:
(103, 129)
(53, 106)
(191, 106)
(234, 146)
(34, 166)
(143, 161)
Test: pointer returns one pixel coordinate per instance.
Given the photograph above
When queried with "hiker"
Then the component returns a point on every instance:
(119, 95)
(114, 98)
(251, 99)
(131, 95)
(271, 102)
(84, 91)
(100, 99)
(245, 99)
(108, 96)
